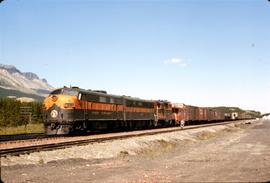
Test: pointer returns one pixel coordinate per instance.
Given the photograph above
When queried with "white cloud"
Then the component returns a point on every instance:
(175, 61)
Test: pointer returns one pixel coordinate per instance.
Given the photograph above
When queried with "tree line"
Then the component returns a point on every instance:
(16, 113)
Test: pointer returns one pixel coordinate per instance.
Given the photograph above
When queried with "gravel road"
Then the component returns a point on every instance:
(217, 154)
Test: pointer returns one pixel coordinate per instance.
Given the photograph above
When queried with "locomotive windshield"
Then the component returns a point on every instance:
(66, 91)
(55, 92)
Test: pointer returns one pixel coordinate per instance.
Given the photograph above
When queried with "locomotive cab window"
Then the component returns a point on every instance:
(79, 96)
(111, 100)
(70, 92)
(102, 99)
(55, 92)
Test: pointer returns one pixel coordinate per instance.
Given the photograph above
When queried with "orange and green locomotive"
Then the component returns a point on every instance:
(72, 109)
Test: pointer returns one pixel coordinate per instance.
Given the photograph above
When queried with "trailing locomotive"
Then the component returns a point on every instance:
(71, 109)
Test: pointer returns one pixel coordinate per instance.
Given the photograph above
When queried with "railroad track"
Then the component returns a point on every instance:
(83, 140)
(4, 138)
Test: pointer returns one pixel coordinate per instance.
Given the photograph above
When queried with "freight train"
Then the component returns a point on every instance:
(70, 110)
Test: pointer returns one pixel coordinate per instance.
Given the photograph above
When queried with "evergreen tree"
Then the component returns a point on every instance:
(11, 112)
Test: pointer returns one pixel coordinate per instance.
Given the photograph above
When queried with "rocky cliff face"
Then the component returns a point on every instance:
(27, 82)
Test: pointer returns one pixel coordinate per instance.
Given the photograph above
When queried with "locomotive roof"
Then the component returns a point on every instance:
(101, 93)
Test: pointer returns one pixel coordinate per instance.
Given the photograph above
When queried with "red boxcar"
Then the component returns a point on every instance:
(180, 112)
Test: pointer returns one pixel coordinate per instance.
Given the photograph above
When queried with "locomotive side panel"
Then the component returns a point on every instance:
(139, 110)
(101, 107)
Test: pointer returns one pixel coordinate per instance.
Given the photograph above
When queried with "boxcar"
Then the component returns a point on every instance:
(203, 114)
(180, 112)
(193, 113)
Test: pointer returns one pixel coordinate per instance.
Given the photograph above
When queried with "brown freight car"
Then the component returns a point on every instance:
(216, 114)
(203, 114)
(244, 115)
(190, 114)
(180, 113)
(212, 114)
(193, 114)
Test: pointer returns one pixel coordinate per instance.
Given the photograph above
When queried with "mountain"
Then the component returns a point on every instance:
(13, 82)
(18, 94)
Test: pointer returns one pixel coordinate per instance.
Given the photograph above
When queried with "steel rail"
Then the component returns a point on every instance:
(4, 138)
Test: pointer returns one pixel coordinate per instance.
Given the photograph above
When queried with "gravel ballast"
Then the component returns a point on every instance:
(114, 148)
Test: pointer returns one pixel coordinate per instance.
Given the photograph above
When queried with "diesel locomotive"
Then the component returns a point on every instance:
(71, 110)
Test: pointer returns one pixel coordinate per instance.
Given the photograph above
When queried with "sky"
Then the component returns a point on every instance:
(204, 53)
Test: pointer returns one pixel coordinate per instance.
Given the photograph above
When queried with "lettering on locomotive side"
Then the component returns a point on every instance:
(95, 112)
(106, 113)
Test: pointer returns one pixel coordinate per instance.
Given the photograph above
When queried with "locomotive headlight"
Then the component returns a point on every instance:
(54, 113)
(69, 105)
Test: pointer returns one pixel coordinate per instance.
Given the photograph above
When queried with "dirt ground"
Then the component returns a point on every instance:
(218, 154)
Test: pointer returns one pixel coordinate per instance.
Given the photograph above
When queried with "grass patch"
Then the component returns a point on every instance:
(30, 128)
(230, 130)
(166, 145)
(41, 161)
(188, 141)
(157, 148)
(123, 154)
(206, 135)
